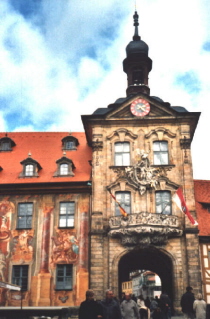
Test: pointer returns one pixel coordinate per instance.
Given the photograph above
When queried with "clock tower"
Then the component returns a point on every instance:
(141, 157)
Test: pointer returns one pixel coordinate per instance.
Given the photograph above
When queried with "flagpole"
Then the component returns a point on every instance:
(21, 297)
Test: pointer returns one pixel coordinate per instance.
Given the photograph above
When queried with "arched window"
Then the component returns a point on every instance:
(163, 202)
(160, 150)
(124, 198)
(122, 153)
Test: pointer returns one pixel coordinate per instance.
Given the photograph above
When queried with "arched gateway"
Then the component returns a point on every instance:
(150, 258)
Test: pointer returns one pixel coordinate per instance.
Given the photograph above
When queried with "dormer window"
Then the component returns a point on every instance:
(70, 143)
(65, 167)
(6, 144)
(30, 168)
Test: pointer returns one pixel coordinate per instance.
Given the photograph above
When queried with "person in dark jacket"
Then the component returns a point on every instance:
(90, 309)
(111, 308)
(187, 301)
(165, 305)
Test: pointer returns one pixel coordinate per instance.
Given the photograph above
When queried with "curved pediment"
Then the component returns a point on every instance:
(121, 134)
(159, 132)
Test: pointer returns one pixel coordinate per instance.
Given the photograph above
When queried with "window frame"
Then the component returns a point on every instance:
(163, 203)
(64, 171)
(31, 170)
(157, 154)
(68, 214)
(122, 154)
(127, 208)
(61, 284)
(21, 278)
(25, 216)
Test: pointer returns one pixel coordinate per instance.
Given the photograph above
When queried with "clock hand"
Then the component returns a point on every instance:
(141, 107)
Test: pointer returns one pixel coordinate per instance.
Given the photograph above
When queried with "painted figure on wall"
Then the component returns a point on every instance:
(6, 208)
(65, 247)
(2, 266)
(22, 241)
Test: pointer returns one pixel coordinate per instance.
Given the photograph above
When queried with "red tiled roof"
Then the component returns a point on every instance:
(202, 195)
(46, 149)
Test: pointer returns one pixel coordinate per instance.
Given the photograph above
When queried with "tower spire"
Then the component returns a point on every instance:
(136, 36)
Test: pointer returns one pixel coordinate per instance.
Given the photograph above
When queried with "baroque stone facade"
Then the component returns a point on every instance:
(160, 240)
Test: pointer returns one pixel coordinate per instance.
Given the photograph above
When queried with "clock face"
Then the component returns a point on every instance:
(140, 107)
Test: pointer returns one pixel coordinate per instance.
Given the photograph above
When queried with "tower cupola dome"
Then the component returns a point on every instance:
(137, 45)
(137, 64)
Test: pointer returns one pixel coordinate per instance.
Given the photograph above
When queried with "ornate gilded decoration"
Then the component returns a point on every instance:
(65, 247)
(142, 175)
(147, 228)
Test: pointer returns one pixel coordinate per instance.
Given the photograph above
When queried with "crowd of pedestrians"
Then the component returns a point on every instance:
(130, 307)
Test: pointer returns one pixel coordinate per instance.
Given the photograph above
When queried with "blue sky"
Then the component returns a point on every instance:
(61, 59)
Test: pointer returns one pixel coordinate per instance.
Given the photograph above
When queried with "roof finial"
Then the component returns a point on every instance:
(136, 36)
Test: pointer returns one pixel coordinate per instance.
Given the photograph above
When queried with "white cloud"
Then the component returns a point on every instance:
(67, 60)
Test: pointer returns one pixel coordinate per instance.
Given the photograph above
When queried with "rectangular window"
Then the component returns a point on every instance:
(160, 149)
(122, 154)
(70, 145)
(25, 212)
(29, 170)
(66, 216)
(5, 146)
(20, 276)
(163, 202)
(124, 198)
(64, 277)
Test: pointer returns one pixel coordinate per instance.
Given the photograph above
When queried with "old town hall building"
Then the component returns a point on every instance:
(61, 230)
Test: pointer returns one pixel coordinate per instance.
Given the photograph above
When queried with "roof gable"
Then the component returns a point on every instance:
(157, 108)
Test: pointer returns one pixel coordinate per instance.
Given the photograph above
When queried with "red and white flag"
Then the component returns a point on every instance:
(178, 198)
(122, 211)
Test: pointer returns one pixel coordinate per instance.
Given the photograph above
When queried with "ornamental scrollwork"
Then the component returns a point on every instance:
(144, 228)
(142, 174)
(97, 145)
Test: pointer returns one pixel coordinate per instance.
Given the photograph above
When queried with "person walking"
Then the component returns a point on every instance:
(110, 307)
(90, 309)
(147, 302)
(199, 306)
(187, 302)
(129, 308)
(153, 306)
(165, 306)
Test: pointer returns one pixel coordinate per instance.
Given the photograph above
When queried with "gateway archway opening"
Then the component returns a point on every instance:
(150, 259)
